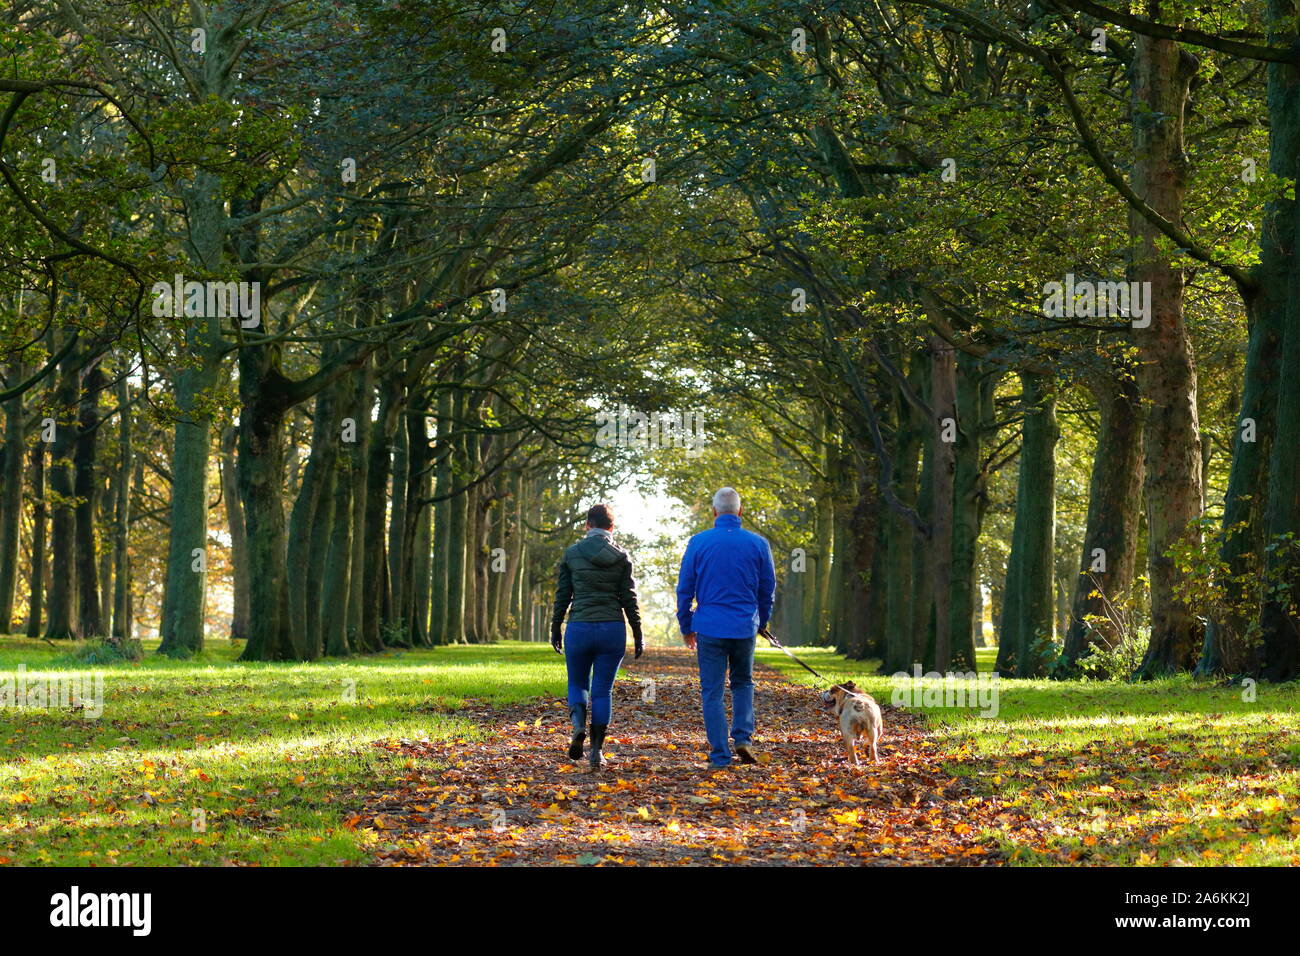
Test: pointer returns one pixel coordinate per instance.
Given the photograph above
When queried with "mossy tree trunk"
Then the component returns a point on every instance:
(1028, 608)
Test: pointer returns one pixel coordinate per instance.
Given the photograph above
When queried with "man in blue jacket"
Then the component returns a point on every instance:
(727, 572)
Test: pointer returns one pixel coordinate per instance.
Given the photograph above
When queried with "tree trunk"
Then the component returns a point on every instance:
(1110, 537)
(943, 400)
(89, 605)
(260, 469)
(104, 516)
(186, 585)
(496, 564)
(922, 625)
(11, 500)
(62, 533)
(900, 539)
(238, 533)
(373, 570)
(421, 489)
(310, 514)
(1279, 658)
(968, 497)
(819, 614)
(122, 630)
(1030, 593)
(359, 465)
(514, 544)
(457, 527)
(36, 575)
(185, 591)
(835, 550)
(1009, 619)
(873, 625)
(400, 537)
(336, 593)
(856, 550)
(441, 521)
(1279, 617)
(1166, 373)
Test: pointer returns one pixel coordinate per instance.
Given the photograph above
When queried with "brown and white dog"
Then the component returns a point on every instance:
(859, 716)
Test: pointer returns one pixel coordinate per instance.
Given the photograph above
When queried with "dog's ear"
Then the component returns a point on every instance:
(849, 685)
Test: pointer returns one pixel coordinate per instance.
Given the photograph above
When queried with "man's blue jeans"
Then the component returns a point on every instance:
(592, 652)
(717, 656)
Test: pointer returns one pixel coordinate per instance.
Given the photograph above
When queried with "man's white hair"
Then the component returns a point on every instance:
(726, 501)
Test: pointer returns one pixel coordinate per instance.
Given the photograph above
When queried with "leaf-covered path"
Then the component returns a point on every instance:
(516, 797)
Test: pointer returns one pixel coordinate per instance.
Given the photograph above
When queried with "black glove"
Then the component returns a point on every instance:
(557, 638)
(637, 642)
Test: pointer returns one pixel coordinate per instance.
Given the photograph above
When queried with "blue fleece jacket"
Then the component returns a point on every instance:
(728, 573)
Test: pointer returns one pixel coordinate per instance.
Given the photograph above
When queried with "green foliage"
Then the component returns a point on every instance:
(1118, 661)
(1217, 593)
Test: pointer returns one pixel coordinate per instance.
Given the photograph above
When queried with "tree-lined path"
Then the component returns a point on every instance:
(515, 798)
(323, 325)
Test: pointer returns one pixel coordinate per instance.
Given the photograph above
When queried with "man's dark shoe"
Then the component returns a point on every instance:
(745, 754)
(577, 714)
(596, 759)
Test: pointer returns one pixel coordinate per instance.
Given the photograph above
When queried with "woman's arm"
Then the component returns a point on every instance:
(627, 599)
(563, 598)
(563, 593)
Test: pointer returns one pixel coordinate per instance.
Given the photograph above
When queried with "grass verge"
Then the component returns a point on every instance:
(1167, 772)
(210, 761)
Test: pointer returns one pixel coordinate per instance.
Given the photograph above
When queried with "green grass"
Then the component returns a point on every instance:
(273, 754)
(1171, 771)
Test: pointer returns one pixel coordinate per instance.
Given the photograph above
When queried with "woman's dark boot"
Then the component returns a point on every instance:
(595, 758)
(577, 714)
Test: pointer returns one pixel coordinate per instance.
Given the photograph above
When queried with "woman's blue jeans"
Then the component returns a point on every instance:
(593, 650)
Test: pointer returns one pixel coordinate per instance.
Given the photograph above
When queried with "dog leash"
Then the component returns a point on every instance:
(785, 650)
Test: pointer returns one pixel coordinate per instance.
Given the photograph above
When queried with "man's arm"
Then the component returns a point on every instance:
(686, 591)
(766, 585)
